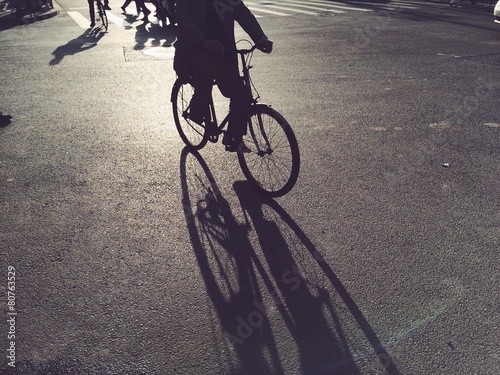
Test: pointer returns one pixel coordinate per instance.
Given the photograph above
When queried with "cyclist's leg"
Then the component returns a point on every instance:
(91, 12)
(232, 87)
(238, 105)
(141, 7)
(171, 11)
(125, 5)
(204, 68)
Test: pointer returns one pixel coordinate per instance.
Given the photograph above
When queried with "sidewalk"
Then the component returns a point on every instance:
(9, 18)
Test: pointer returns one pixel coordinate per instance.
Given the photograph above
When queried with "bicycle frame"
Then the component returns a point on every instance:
(215, 129)
(269, 155)
(245, 77)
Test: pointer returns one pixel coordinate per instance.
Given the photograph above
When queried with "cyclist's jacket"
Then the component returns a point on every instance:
(191, 16)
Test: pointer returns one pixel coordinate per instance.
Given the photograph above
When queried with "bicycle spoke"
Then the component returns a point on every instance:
(193, 134)
(274, 164)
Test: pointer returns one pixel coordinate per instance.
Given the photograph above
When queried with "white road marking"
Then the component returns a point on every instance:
(281, 8)
(284, 8)
(80, 20)
(492, 124)
(390, 6)
(266, 11)
(329, 4)
(117, 20)
(301, 5)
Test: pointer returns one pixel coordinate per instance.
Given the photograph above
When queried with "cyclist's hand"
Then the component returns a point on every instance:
(213, 46)
(265, 45)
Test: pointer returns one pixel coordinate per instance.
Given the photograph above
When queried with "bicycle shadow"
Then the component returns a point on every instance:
(262, 278)
(84, 42)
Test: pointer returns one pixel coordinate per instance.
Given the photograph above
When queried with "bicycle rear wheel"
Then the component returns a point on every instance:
(273, 165)
(102, 14)
(193, 134)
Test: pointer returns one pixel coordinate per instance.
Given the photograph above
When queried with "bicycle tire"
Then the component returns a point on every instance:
(102, 15)
(274, 163)
(192, 134)
(455, 3)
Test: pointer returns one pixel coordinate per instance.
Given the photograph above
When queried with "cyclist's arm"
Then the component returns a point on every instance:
(248, 22)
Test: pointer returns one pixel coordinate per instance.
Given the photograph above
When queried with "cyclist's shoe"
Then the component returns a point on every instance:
(106, 6)
(92, 24)
(197, 112)
(233, 145)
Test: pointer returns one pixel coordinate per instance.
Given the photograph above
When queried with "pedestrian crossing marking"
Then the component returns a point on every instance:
(329, 4)
(117, 20)
(273, 12)
(301, 5)
(390, 6)
(284, 8)
(272, 8)
(84, 23)
(79, 19)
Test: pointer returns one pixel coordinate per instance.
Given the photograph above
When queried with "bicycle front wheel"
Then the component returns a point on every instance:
(193, 134)
(102, 15)
(273, 165)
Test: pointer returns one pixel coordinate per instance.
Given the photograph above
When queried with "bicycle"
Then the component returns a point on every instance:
(477, 3)
(102, 16)
(273, 164)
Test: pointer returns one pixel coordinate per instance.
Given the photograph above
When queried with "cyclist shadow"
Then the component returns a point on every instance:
(84, 42)
(265, 278)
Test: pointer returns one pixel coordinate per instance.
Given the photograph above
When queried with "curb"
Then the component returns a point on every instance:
(39, 16)
(42, 14)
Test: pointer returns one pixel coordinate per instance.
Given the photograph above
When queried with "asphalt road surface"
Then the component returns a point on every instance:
(124, 253)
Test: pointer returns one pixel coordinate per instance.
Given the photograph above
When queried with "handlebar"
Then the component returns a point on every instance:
(246, 51)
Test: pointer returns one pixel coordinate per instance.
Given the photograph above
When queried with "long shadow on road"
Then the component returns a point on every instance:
(84, 42)
(262, 278)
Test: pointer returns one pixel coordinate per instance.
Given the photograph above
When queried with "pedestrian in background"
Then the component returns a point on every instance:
(140, 6)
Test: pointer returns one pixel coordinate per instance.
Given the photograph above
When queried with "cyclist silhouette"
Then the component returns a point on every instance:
(92, 10)
(205, 49)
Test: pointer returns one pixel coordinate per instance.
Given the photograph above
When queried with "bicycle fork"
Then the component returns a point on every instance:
(261, 151)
